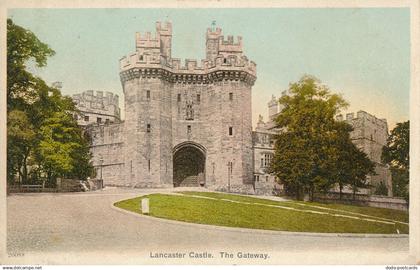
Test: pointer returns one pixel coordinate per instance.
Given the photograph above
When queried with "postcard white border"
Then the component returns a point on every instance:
(299, 258)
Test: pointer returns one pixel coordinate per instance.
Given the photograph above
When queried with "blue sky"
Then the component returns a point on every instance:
(362, 53)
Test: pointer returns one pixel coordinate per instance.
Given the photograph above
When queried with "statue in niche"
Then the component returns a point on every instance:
(189, 111)
(260, 119)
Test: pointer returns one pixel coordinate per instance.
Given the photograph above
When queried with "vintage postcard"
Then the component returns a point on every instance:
(210, 132)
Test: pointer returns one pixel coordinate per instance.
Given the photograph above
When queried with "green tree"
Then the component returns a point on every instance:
(349, 165)
(396, 154)
(359, 166)
(20, 143)
(62, 150)
(381, 189)
(314, 151)
(22, 46)
(40, 123)
(396, 151)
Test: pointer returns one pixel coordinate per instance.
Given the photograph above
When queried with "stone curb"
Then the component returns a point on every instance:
(258, 231)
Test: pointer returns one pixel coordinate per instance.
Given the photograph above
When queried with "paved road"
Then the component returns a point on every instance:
(86, 223)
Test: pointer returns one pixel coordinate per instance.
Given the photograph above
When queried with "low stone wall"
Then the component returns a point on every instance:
(242, 189)
(76, 185)
(267, 188)
(95, 184)
(364, 200)
(69, 185)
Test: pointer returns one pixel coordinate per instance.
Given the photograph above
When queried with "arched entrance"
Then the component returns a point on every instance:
(189, 164)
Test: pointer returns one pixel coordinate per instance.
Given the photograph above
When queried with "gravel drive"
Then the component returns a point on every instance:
(86, 222)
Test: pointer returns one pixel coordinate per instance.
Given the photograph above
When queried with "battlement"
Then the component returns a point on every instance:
(213, 34)
(147, 40)
(153, 57)
(229, 45)
(175, 65)
(164, 29)
(364, 116)
(92, 96)
(138, 59)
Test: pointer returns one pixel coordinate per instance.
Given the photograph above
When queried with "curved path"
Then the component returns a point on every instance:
(85, 224)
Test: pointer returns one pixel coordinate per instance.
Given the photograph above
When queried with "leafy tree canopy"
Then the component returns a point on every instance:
(314, 151)
(23, 46)
(396, 151)
(40, 123)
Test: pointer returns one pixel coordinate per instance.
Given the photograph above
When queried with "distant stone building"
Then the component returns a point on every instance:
(369, 135)
(263, 146)
(185, 124)
(97, 108)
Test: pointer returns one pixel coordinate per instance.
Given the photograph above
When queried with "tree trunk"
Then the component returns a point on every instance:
(341, 190)
(25, 170)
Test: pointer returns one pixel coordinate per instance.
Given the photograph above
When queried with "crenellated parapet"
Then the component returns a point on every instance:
(203, 71)
(190, 71)
(147, 40)
(164, 29)
(362, 116)
(152, 58)
(94, 97)
(229, 46)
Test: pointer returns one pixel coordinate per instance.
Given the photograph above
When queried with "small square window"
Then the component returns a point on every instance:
(230, 96)
(179, 97)
(148, 128)
(106, 121)
(86, 118)
(99, 120)
(230, 131)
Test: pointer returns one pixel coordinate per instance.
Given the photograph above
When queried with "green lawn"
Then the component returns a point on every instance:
(249, 212)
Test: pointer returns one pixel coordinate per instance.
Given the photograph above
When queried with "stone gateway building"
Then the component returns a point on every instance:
(189, 124)
(185, 124)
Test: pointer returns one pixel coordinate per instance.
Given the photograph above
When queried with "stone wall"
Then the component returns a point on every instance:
(107, 148)
(77, 185)
(96, 107)
(364, 200)
(370, 134)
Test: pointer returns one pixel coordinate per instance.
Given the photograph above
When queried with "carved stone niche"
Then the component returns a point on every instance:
(189, 111)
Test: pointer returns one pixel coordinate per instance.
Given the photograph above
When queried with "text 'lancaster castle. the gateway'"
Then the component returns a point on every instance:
(189, 124)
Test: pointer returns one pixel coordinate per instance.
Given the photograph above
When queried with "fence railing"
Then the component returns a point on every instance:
(62, 185)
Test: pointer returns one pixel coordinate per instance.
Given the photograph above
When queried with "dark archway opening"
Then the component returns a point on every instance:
(189, 164)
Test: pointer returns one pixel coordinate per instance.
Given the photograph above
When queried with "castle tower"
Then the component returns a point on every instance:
(212, 43)
(188, 124)
(165, 37)
(370, 135)
(273, 108)
(148, 147)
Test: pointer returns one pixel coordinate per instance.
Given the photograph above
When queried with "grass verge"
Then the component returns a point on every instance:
(249, 212)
